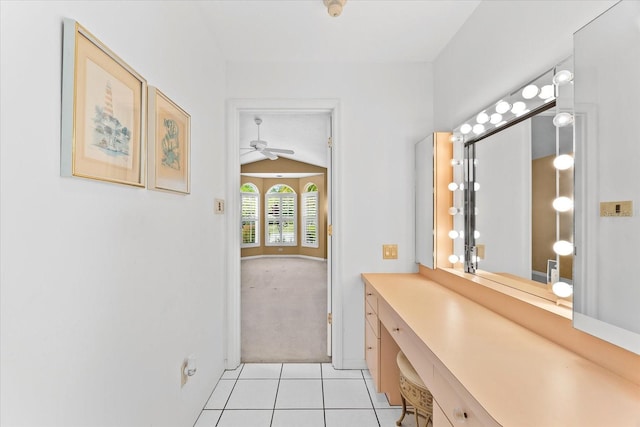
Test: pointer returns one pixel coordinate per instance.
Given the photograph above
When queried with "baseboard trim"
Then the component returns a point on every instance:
(284, 256)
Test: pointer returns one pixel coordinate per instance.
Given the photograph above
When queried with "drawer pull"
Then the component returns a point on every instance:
(396, 329)
(369, 348)
(369, 314)
(369, 294)
(460, 415)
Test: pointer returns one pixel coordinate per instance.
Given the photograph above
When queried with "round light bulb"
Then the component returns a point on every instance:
(562, 77)
(482, 118)
(453, 259)
(563, 162)
(562, 289)
(453, 234)
(476, 186)
(476, 234)
(478, 129)
(562, 247)
(562, 204)
(518, 107)
(563, 119)
(495, 118)
(546, 92)
(502, 107)
(453, 211)
(452, 186)
(530, 91)
(461, 234)
(465, 128)
(461, 186)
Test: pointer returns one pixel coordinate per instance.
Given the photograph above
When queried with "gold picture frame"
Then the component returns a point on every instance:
(169, 148)
(103, 133)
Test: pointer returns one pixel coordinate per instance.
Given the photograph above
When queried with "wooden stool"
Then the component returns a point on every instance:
(413, 390)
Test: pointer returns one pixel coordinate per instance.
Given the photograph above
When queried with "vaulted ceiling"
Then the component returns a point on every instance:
(302, 31)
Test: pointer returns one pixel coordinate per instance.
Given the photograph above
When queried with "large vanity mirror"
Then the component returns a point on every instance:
(512, 195)
(607, 90)
(544, 183)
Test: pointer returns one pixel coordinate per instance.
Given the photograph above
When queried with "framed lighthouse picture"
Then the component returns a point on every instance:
(103, 112)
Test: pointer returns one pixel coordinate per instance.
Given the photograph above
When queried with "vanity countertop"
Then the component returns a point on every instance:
(519, 377)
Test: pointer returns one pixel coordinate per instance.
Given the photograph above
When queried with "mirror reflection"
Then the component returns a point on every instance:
(513, 194)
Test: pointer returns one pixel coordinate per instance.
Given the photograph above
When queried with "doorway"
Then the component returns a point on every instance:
(234, 306)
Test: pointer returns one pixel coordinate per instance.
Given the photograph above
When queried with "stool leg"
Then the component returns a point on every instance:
(415, 411)
(404, 411)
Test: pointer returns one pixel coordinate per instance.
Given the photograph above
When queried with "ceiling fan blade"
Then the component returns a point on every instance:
(268, 154)
(281, 150)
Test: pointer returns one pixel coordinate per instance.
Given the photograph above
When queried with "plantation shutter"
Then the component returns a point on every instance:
(250, 220)
(310, 219)
(281, 219)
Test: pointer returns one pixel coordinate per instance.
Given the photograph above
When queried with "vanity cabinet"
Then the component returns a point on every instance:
(372, 337)
(381, 351)
(481, 368)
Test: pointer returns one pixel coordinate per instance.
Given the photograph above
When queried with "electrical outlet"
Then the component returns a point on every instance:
(389, 251)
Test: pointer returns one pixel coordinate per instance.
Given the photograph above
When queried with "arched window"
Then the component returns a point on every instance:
(310, 216)
(250, 211)
(281, 214)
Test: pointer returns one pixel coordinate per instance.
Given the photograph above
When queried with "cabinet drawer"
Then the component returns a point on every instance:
(372, 354)
(372, 318)
(371, 297)
(420, 357)
(459, 410)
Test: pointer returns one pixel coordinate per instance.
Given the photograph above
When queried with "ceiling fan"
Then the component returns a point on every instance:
(262, 146)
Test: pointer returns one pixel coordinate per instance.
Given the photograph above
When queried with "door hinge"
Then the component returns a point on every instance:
(330, 229)
(329, 318)
(330, 142)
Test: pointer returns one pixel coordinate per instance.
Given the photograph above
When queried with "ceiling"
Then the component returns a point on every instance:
(303, 31)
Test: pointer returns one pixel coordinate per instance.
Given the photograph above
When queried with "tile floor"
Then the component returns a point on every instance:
(298, 395)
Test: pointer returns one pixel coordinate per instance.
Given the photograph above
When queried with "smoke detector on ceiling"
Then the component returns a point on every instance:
(334, 7)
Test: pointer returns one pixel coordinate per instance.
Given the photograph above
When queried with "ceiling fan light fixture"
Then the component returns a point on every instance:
(262, 147)
(334, 7)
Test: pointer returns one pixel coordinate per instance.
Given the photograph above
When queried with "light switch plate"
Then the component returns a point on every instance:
(219, 206)
(389, 251)
(624, 208)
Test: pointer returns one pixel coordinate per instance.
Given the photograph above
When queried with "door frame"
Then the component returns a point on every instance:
(232, 287)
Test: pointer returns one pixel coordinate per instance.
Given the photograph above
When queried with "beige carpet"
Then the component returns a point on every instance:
(284, 310)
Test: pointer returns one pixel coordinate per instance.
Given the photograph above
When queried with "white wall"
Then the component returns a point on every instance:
(106, 288)
(385, 110)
